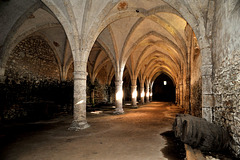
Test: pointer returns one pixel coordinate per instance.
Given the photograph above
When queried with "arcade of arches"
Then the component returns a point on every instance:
(92, 52)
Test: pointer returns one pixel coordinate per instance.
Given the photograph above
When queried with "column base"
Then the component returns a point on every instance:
(118, 111)
(78, 125)
(134, 106)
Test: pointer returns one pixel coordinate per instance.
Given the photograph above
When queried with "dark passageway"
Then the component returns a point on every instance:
(164, 89)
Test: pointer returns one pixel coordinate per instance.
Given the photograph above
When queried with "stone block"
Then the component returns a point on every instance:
(207, 114)
(206, 85)
(207, 101)
(206, 56)
(206, 70)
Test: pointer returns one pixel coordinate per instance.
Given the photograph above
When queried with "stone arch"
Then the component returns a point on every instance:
(69, 29)
(107, 51)
(9, 42)
(159, 36)
(9, 46)
(163, 72)
(106, 20)
(164, 91)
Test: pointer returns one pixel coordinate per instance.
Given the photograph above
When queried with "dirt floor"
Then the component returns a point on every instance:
(135, 135)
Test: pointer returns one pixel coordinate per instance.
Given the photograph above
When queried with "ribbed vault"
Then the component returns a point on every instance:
(147, 45)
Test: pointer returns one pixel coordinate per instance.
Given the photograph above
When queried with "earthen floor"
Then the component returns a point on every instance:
(134, 135)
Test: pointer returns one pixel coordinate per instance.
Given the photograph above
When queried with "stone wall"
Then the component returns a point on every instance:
(196, 79)
(226, 61)
(32, 89)
(194, 92)
(32, 60)
(196, 98)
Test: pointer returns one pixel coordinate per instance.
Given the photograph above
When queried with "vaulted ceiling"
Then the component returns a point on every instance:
(145, 45)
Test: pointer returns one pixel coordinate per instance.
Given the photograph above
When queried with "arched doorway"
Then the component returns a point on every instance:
(164, 89)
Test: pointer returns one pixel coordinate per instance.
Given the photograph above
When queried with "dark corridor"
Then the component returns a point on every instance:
(164, 89)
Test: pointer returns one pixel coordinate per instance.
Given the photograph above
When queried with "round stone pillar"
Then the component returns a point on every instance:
(142, 94)
(119, 97)
(134, 96)
(150, 94)
(147, 94)
(181, 95)
(79, 110)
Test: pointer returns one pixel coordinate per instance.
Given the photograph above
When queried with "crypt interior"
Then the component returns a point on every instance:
(70, 58)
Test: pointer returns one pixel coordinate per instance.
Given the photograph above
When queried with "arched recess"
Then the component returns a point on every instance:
(11, 40)
(156, 75)
(100, 73)
(33, 59)
(40, 20)
(38, 74)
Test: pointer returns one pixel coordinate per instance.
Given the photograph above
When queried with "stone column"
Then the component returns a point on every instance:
(142, 93)
(79, 114)
(134, 96)
(119, 97)
(147, 94)
(181, 95)
(207, 84)
(176, 98)
(187, 96)
(150, 93)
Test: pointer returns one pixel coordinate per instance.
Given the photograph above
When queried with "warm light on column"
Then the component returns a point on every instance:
(151, 94)
(119, 95)
(134, 94)
(142, 94)
(80, 102)
(147, 94)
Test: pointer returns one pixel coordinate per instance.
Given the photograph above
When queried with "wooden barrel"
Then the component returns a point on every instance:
(200, 134)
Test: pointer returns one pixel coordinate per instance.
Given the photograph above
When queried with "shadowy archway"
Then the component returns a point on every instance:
(164, 89)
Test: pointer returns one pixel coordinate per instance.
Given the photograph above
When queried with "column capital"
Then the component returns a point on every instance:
(134, 86)
(134, 81)
(118, 82)
(80, 75)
